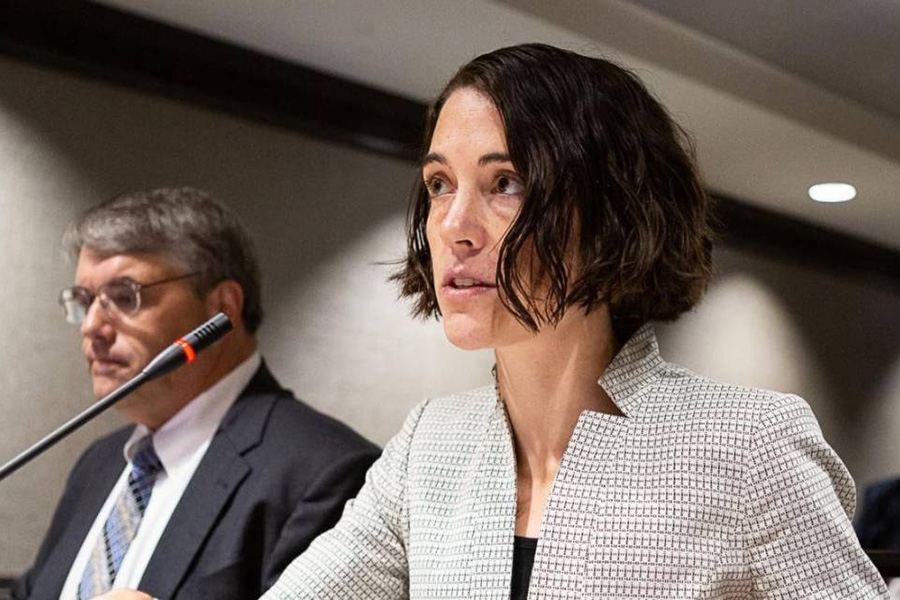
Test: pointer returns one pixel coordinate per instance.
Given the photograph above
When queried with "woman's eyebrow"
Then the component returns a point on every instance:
(493, 157)
(434, 157)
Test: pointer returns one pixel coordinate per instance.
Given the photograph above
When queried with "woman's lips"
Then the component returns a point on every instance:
(465, 289)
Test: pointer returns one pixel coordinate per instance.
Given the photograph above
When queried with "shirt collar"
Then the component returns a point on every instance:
(636, 365)
(198, 420)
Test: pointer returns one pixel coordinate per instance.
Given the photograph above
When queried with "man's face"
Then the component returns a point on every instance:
(117, 346)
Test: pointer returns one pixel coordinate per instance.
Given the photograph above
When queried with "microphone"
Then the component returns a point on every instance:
(182, 351)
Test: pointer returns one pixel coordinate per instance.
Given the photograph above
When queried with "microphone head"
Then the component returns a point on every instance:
(184, 350)
(209, 332)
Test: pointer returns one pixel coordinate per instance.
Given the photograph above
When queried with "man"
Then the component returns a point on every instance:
(224, 477)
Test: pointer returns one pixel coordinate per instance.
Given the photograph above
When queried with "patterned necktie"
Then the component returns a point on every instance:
(122, 523)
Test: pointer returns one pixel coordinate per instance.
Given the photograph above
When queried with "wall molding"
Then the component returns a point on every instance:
(751, 228)
(103, 43)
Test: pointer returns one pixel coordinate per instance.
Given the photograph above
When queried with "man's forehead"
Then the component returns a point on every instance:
(96, 268)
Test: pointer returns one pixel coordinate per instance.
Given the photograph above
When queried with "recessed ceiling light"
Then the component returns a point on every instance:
(832, 192)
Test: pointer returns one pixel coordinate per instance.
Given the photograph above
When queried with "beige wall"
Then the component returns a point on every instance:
(323, 216)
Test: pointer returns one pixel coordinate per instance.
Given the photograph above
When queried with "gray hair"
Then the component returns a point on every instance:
(186, 225)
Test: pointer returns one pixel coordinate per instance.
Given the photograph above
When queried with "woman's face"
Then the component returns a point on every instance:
(475, 196)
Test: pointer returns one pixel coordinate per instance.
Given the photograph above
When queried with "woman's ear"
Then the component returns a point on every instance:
(227, 297)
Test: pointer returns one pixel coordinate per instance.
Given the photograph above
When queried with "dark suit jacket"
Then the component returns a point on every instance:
(878, 523)
(276, 475)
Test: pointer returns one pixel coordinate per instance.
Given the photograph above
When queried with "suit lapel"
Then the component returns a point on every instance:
(219, 475)
(102, 474)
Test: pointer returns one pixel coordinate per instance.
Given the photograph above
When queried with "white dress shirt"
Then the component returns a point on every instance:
(180, 443)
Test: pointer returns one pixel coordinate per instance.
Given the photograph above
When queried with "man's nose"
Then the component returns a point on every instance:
(96, 320)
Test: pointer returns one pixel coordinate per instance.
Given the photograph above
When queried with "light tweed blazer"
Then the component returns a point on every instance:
(701, 490)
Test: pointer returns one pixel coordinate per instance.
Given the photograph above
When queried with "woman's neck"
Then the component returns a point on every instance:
(549, 380)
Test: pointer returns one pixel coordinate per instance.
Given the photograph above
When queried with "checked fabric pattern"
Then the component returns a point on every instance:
(122, 524)
(700, 491)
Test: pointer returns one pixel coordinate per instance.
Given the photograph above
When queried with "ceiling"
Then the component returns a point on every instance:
(777, 95)
(849, 48)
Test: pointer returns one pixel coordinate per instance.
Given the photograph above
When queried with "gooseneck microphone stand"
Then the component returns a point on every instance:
(181, 351)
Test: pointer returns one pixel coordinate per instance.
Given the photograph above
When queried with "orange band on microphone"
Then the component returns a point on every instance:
(188, 350)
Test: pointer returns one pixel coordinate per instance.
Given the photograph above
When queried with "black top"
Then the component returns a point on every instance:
(523, 560)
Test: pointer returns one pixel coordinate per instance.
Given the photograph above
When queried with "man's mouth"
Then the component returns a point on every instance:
(102, 366)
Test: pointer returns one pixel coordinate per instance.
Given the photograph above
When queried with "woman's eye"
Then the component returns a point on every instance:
(436, 186)
(509, 185)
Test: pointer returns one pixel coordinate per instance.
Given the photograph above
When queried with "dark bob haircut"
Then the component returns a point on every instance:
(188, 226)
(609, 177)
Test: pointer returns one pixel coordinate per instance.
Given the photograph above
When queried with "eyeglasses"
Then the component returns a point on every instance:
(120, 296)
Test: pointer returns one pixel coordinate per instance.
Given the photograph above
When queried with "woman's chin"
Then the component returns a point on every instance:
(465, 334)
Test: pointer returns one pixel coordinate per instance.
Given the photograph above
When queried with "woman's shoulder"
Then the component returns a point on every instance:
(711, 423)
(682, 392)
(456, 419)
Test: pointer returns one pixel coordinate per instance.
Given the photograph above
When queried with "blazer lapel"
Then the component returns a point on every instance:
(219, 475)
(576, 503)
(495, 512)
(587, 479)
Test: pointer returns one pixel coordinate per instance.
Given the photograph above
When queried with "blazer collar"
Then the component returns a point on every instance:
(633, 369)
(245, 422)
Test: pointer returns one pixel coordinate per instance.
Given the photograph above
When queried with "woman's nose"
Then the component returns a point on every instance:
(463, 226)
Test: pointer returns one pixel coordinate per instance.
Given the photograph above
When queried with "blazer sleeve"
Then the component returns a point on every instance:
(76, 482)
(799, 501)
(364, 556)
(319, 509)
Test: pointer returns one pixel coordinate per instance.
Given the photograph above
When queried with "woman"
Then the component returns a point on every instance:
(558, 214)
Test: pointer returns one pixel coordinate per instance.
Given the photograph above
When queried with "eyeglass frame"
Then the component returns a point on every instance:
(137, 288)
